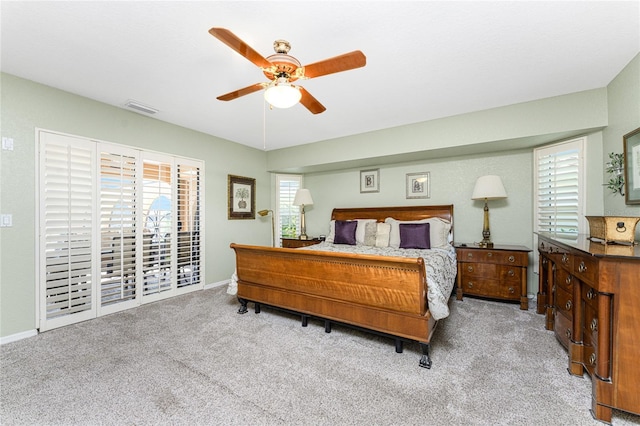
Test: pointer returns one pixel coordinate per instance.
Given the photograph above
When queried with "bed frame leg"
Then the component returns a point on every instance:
(425, 360)
(305, 320)
(327, 326)
(243, 306)
(256, 308)
(399, 346)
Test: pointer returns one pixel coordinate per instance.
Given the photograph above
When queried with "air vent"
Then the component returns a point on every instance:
(140, 107)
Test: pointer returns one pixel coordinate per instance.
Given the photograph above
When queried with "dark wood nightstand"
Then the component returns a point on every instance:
(297, 242)
(499, 272)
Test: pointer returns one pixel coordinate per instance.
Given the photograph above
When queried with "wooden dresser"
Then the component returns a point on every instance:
(499, 272)
(590, 295)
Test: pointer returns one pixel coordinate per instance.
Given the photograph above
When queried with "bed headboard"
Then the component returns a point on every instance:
(398, 213)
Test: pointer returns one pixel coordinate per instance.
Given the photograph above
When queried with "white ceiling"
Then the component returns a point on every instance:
(425, 59)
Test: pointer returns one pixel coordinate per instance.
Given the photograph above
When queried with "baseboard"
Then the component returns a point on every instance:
(217, 284)
(18, 336)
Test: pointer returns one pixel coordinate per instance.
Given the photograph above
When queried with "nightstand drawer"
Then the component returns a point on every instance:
(479, 269)
(510, 273)
(494, 256)
(489, 288)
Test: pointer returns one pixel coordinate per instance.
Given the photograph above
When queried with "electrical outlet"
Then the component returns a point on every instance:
(6, 220)
(7, 143)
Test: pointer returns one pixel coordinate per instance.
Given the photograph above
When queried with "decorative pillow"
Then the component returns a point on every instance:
(415, 235)
(345, 232)
(439, 231)
(369, 233)
(382, 234)
(360, 229)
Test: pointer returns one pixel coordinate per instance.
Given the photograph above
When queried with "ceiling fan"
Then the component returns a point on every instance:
(283, 69)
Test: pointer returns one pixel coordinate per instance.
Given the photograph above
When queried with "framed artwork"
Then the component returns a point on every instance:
(632, 166)
(241, 192)
(418, 185)
(370, 180)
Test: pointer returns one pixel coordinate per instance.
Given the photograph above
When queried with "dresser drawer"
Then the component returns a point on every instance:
(564, 280)
(585, 268)
(494, 256)
(590, 329)
(562, 329)
(489, 288)
(564, 303)
(590, 296)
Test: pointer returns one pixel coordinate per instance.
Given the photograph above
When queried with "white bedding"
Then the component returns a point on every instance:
(440, 264)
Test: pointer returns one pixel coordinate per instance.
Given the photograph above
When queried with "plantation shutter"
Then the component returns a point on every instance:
(188, 226)
(67, 200)
(559, 200)
(288, 215)
(118, 228)
(158, 205)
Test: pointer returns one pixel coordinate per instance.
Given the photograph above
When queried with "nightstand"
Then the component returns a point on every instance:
(499, 272)
(297, 242)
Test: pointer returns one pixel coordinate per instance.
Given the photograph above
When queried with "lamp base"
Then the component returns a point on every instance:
(485, 244)
(304, 237)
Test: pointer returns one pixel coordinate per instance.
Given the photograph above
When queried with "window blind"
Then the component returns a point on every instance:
(188, 254)
(288, 215)
(559, 192)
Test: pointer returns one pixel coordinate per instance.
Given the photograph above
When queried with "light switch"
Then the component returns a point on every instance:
(7, 144)
(6, 220)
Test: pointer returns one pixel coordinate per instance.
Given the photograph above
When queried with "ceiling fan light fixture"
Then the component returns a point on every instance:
(282, 94)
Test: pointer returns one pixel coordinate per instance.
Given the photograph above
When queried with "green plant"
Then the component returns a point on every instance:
(242, 193)
(616, 167)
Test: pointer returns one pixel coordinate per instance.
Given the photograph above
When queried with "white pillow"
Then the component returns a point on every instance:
(439, 230)
(360, 230)
(382, 234)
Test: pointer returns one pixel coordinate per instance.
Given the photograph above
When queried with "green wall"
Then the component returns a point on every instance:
(27, 106)
(624, 116)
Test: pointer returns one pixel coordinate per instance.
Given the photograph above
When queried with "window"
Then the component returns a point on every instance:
(118, 227)
(287, 215)
(558, 193)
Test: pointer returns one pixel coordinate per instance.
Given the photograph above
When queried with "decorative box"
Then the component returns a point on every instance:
(613, 229)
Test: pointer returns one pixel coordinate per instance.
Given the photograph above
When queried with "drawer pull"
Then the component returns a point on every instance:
(594, 324)
(489, 254)
(582, 267)
(469, 255)
(511, 290)
(565, 258)
(553, 289)
(511, 273)
(591, 294)
(470, 268)
(568, 280)
(470, 284)
(544, 261)
(512, 259)
(568, 305)
(568, 333)
(592, 358)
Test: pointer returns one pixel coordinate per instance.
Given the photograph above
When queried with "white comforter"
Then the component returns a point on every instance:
(440, 265)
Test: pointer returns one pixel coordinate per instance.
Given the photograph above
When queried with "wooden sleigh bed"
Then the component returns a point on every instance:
(382, 294)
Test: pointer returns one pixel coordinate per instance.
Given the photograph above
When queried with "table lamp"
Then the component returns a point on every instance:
(303, 198)
(488, 188)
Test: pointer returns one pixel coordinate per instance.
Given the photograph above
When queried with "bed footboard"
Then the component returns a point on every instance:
(382, 294)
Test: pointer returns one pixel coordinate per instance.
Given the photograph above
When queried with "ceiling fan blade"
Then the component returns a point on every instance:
(231, 40)
(241, 92)
(348, 61)
(310, 102)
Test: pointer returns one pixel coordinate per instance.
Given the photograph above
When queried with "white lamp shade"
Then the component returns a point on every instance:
(303, 198)
(489, 187)
(281, 94)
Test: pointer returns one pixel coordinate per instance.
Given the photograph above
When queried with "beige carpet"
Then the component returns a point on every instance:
(193, 360)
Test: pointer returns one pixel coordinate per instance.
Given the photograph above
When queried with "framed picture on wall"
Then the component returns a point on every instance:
(632, 166)
(241, 192)
(370, 180)
(418, 185)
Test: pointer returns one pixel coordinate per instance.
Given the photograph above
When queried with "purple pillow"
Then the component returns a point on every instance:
(345, 232)
(415, 235)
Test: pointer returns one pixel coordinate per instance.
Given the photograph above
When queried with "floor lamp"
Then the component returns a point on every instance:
(488, 188)
(273, 226)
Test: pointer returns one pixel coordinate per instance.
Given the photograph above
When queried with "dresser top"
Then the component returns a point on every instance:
(594, 248)
(495, 247)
